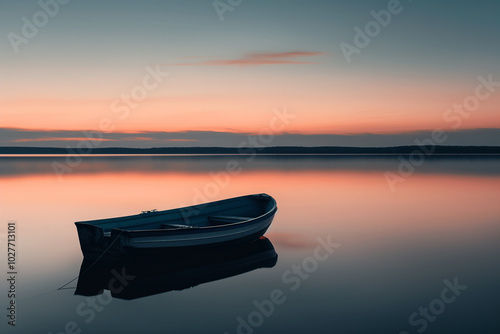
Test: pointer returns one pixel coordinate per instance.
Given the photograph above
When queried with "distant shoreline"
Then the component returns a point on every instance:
(277, 150)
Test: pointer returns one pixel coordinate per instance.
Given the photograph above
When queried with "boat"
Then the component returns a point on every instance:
(216, 224)
(127, 278)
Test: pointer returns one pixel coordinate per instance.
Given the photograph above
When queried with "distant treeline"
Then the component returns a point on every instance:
(404, 150)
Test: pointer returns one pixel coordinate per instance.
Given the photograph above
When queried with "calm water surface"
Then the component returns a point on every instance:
(421, 258)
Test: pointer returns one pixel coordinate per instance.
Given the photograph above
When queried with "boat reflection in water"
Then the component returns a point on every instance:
(131, 278)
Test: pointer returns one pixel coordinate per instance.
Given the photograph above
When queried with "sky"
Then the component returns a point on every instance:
(215, 73)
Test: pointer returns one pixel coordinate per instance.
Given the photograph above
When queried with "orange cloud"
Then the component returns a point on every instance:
(156, 139)
(255, 59)
(23, 140)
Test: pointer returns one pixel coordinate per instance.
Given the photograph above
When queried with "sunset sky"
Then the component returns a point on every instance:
(184, 73)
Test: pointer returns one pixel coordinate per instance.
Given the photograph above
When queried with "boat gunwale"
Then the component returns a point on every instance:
(194, 229)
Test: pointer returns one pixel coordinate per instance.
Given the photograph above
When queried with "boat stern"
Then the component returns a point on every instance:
(92, 239)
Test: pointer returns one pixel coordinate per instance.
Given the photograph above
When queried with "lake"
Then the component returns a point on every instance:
(365, 244)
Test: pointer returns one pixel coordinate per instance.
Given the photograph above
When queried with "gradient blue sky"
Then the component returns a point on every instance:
(226, 77)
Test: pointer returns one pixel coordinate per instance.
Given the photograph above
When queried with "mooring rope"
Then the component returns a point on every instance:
(63, 287)
(93, 263)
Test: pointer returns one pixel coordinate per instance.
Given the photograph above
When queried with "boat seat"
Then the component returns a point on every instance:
(226, 219)
(175, 226)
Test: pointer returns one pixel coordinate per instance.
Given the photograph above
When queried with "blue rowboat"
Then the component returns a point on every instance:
(216, 224)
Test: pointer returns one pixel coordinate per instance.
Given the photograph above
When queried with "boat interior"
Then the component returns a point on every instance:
(219, 213)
